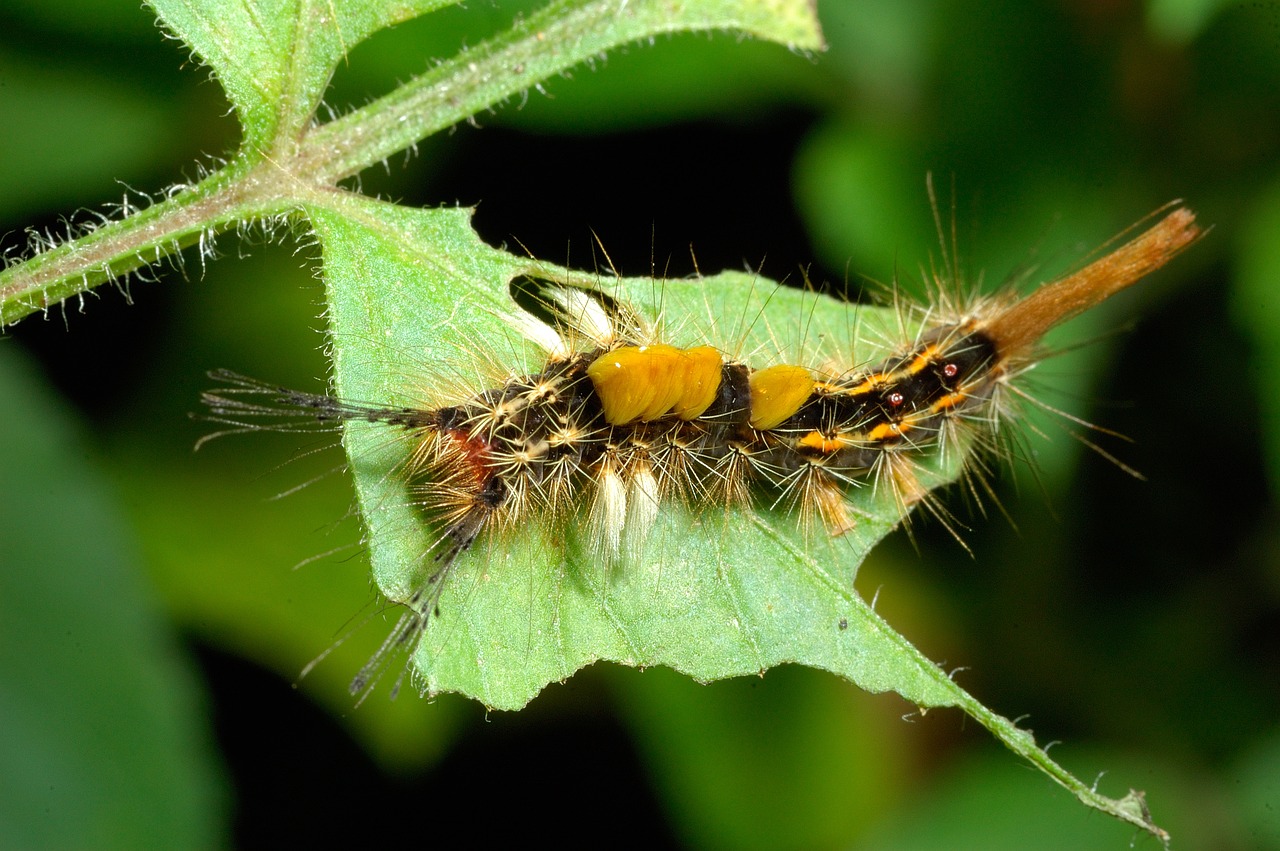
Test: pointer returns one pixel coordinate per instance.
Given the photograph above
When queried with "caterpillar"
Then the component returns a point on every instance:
(618, 420)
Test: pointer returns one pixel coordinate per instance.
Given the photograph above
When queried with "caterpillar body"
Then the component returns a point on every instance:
(618, 422)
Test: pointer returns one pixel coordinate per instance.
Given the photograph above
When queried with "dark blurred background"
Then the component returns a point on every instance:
(153, 629)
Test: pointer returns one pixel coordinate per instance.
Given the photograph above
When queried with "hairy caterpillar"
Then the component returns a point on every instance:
(618, 419)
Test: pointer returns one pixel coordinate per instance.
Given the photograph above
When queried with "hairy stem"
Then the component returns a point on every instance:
(258, 183)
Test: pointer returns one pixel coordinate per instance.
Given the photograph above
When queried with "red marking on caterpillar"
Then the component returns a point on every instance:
(618, 420)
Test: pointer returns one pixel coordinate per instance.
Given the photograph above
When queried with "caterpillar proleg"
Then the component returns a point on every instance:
(619, 420)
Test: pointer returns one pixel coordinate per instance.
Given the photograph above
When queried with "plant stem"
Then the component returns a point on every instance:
(257, 184)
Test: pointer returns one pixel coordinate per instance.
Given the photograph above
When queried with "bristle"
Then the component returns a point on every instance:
(1019, 327)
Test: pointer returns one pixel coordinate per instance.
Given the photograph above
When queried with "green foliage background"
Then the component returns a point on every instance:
(1135, 621)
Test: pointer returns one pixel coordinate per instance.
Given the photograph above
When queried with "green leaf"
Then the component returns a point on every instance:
(1257, 775)
(1258, 311)
(1180, 21)
(274, 57)
(39, 168)
(103, 739)
(719, 592)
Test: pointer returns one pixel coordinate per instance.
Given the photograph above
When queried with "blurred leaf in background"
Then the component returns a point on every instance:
(1134, 621)
(103, 735)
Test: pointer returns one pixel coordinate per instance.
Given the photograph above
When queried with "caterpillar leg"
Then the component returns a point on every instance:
(832, 504)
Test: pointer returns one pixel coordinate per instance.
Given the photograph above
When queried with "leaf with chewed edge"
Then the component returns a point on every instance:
(719, 592)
